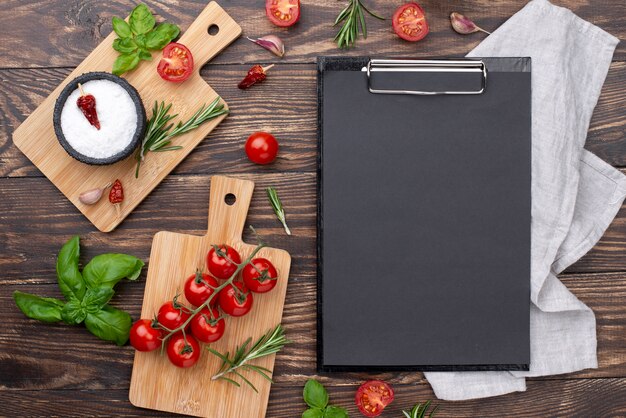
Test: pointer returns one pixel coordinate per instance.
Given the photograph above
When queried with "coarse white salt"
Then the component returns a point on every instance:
(117, 116)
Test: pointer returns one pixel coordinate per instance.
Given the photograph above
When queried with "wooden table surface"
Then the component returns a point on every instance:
(62, 370)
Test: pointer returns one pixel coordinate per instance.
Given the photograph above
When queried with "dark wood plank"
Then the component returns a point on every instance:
(285, 105)
(62, 35)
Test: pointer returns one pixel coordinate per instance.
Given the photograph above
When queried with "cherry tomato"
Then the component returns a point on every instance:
(172, 315)
(261, 148)
(207, 328)
(409, 22)
(143, 337)
(199, 287)
(372, 397)
(260, 275)
(176, 64)
(183, 353)
(235, 303)
(220, 266)
(283, 12)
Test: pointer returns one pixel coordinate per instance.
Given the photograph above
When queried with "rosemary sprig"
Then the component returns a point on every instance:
(352, 17)
(159, 132)
(278, 207)
(272, 342)
(419, 411)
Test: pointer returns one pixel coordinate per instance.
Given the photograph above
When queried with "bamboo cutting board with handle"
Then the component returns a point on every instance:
(35, 137)
(158, 384)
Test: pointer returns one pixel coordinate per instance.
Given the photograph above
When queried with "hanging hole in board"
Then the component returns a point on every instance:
(213, 29)
(230, 199)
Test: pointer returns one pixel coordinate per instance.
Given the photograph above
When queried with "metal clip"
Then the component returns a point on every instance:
(382, 65)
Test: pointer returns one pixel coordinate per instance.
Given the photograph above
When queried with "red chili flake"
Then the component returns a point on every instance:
(87, 104)
(256, 74)
(116, 195)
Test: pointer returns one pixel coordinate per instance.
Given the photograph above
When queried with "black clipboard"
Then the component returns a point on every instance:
(424, 214)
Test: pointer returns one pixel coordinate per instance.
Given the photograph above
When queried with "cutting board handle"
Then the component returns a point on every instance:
(211, 32)
(229, 201)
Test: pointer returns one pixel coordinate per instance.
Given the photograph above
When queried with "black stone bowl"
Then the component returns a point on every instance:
(141, 118)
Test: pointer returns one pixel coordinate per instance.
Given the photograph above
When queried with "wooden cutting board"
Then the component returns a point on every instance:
(36, 139)
(155, 382)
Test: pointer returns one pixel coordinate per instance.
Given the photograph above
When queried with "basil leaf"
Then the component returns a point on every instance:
(162, 35)
(70, 280)
(125, 46)
(121, 28)
(313, 413)
(124, 63)
(145, 55)
(109, 324)
(335, 412)
(107, 269)
(73, 312)
(315, 394)
(35, 307)
(96, 298)
(141, 20)
(141, 41)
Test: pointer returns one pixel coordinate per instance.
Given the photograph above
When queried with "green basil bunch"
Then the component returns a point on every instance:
(138, 37)
(316, 397)
(86, 294)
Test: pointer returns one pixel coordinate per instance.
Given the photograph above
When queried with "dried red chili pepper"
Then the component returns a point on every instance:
(255, 75)
(87, 104)
(116, 195)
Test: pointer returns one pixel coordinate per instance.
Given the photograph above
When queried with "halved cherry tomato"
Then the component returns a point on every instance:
(183, 353)
(261, 147)
(206, 326)
(144, 337)
(222, 266)
(172, 315)
(199, 287)
(235, 302)
(176, 64)
(409, 22)
(372, 397)
(283, 12)
(260, 275)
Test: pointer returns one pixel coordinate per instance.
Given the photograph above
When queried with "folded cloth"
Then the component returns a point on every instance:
(575, 195)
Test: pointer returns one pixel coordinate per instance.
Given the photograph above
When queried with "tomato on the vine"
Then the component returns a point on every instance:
(176, 64)
(222, 266)
(409, 22)
(261, 147)
(207, 326)
(235, 302)
(199, 288)
(260, 275)
(144, 337)
(172, 315)
(283, 12)
(372, 397)
(181, 352)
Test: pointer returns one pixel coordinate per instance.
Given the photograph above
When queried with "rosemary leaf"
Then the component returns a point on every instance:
(278, 207)
(352, 17)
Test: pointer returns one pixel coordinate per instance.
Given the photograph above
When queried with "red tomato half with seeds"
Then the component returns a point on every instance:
(143, 337)
(223, 266)
(372, 397)
(260, 275)
(262, 148)
(207, 326)
(199, 288)
(172, 315)
(409, 22)
(235, 302)
(176, 64)
(183, 352)
(283, 12)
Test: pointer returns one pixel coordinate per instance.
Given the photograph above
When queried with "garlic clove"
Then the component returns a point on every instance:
(93, 196)
(463, 25)
(272, 43)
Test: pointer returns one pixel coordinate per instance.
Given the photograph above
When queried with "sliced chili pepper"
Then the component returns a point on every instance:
(116, 195)
(255, 75)
(87, 104)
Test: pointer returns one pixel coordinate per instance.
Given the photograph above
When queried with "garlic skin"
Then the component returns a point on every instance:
(93, 196)
(463, 25)
(272, 43)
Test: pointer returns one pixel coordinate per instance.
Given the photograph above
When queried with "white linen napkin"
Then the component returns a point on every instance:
(575, 195)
